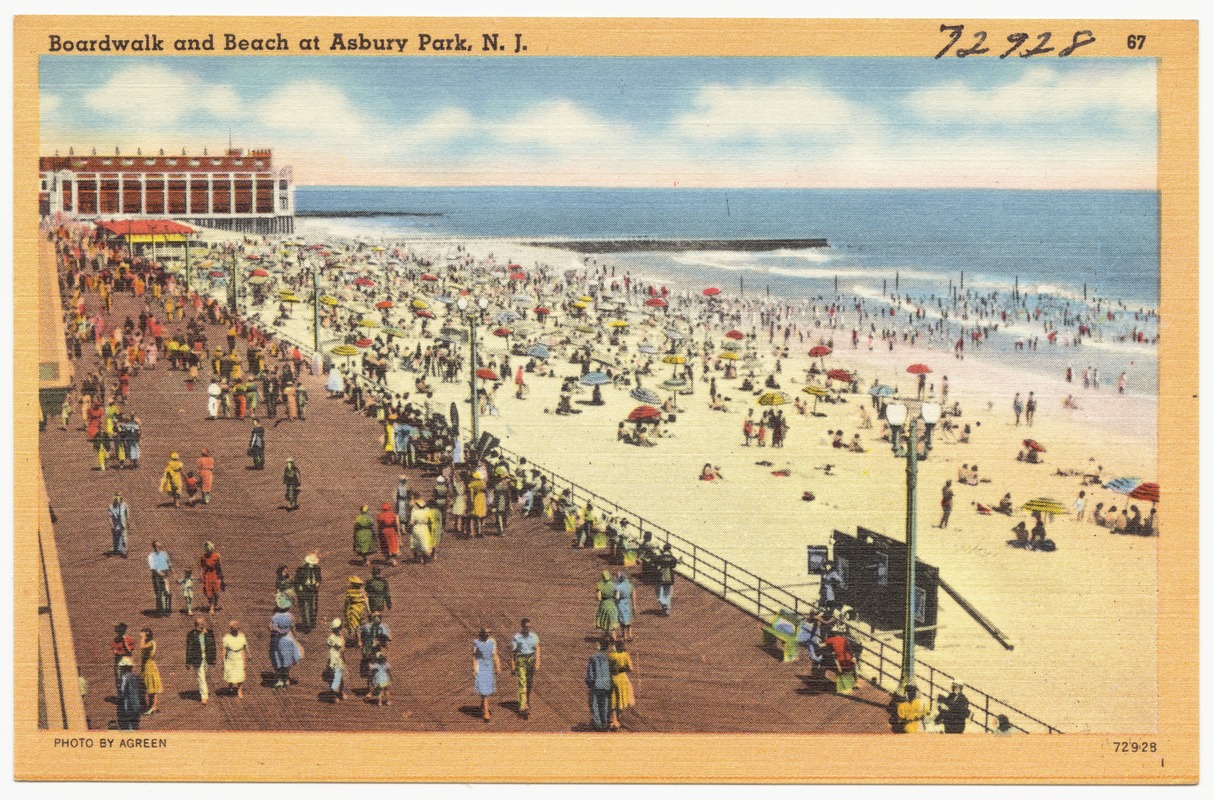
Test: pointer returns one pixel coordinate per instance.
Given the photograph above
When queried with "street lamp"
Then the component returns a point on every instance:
(464, 306)
(896, 414)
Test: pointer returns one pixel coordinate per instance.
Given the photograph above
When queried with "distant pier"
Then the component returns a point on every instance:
(678, 245)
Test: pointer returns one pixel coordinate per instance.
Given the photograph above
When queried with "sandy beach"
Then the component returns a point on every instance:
(1067, 612)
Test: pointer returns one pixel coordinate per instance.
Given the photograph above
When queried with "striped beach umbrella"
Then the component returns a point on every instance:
(594, 379)
(643, 395)
(1045, 505)
(773, 399)
(328, 300)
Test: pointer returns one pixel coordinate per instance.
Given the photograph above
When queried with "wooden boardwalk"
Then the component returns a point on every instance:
(700, 670)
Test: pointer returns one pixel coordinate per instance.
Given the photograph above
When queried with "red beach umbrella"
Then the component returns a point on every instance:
(642, 413)
(542, 311)
(711, 291)
(424, 314)
(1033, 445)
(503, 332)
(429, 277)
(486, 374)
(259, 273)
(363, 342)
(736, 335)
(253, 257)
(1146, 491)
(918, 369)
(840, 375)
(363, 282)
(819, 350)
(384, 304)
(518, 276)
(656, 302)
(217, 274)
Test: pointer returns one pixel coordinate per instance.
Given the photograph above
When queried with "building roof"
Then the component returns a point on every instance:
(145, 227)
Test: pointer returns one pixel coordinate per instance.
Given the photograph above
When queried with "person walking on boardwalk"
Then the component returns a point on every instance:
(607, 615)
(356, 606)
(364, 535)
(478, 504)
(123, 646)
(149, 673)
(130, 695)
(161, 567)
(257, 445)
(337, 660)
(403, 498)
(624, 592)
(235, 644)
(598, 687)
(171, 482)
(953, 710)
(485, 666)
(292, 482)
(301, 399)
(912, 711)
(381, 679)
(666, 564)
(213, 393)
(373, 636)
(388, 525)
(213, 583)
(285, 652)
(946, 504)
(622, 695)
(199, 653)
(119, 515)
(421, 520)
(307, 588)
(379, 593)
(206, 474)
(525, 648)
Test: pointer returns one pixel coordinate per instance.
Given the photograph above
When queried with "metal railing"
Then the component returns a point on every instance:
(878, 662)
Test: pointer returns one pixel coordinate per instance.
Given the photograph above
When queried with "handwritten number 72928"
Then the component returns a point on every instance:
(1017, 41)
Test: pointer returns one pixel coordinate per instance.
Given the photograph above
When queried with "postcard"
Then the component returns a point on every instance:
(606, 400)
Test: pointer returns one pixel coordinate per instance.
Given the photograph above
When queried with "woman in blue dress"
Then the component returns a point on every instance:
(624, 592)
(485, 666)
(285, 652)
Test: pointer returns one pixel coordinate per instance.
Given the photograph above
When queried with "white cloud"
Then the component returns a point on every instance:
(442, 126)
(154, 96)
(1043, 95)
(557, 124)
(767, 113)
(311, 106)
(49, 103)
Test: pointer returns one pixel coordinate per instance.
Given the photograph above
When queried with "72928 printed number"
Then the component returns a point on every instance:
(1125, 746)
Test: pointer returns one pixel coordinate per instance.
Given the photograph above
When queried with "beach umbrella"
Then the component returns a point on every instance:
(674, 359)
(487, 374)
(217, 274)
(328, 299)
(673, 383)
(253, 257)
(1148, 492)
(585, 299)
(728, 356)
(732, 347)
(819, 351)
(290, 298)
(538, 351)
(521, 299)
(344, 350)
(506, 316)
(643, 413)
(429, 277)
(617, 323)
(453, 333)
(367, 322)
(518, 276)
(382, 304)
(1123, 485)
(919, 369)
(1032, 445)
(395, 332)
(881, 390)
(257, 280)
(816, 391)
(736, 335)
(648, 349)
(503, 332)
(711, 291)
(773, 399)
(541, 311)
(259, 273)
(643, 395)
(840, 375)
(420, 304)
(424, 314)
(580, 304)
(656, 302)
(363, 342)
(594, 379)
(442, 298)
(674, 335)
(1045, 505)
(363, 282)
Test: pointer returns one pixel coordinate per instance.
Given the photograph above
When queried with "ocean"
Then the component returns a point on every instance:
(1056, 245)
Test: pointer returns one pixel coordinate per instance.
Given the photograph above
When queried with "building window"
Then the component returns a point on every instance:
(215, 162)
(172, 162)
(258, 165)
(195, 162)
(126, 162)
(149, 161)
(282, 204)
(107, 161)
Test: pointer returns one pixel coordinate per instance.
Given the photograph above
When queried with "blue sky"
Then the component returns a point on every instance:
(786, 122)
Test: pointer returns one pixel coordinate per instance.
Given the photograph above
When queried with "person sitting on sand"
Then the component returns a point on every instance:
(1149, 524)
(886, 431)
(622, 435)
(1005, 504)
(771, 382)
(948, 429)
(963, 474)
(856, 446)
(1098, 515)
(964, 438)
(1069, 402)
(1118, 521)
(1037, 538)
(747, 386)
(1022, 535)
(718, 404)
(643, 437)
(709, 473)
(836, 442)
(669, 406)
(1134, 523)
(866, 420)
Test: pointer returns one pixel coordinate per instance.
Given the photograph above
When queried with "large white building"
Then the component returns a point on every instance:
(238, 190)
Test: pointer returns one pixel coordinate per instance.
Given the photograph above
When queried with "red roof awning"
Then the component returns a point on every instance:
(145, 227)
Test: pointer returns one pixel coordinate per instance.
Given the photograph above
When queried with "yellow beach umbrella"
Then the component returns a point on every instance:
(581, 304)
(773, 399)
(1046, 505)
(816, 391)
(368, 323)
(328, 299)
(586, 299)
(344, 350)
(420, 304)
(728, 356)
(617, 323)
(674, 360)
(290, 298)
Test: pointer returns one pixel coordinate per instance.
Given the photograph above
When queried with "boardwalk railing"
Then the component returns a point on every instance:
(878, 662)
(60, 704)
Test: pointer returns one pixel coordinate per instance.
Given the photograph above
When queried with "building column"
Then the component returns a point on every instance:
(97, 186)
(143, 193)
(210, 193)
(232, 193)
(188, 185)
(121, 186)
